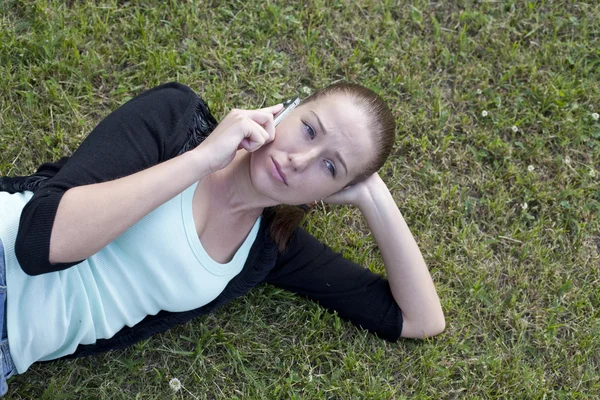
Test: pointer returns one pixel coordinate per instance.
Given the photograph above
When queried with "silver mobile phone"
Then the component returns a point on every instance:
(288, 106)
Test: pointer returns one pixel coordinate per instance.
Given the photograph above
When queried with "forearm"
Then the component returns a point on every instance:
(409, 278)
(90, 217)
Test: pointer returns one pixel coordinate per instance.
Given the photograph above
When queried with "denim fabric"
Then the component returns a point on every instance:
(7, 368)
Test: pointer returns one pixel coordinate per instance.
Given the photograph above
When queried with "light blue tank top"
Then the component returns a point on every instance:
(157, 264)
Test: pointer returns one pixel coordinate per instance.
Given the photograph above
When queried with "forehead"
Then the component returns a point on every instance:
(347, 129)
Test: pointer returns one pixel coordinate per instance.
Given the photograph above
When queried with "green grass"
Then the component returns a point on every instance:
(520, 287)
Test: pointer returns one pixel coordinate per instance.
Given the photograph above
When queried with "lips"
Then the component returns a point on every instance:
(279, 171)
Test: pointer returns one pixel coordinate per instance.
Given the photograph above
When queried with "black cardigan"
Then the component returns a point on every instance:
(153, 127)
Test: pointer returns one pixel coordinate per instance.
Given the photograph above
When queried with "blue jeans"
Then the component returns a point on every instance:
(7, 368)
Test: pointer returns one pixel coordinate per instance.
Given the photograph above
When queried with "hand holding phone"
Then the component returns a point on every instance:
(288, 106)
(240, 129)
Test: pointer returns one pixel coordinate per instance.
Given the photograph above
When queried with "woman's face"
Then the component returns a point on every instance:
(319, 148)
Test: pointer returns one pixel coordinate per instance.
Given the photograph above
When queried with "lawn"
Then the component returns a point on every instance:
(496, 170)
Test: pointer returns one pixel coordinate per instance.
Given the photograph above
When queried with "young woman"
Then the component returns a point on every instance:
(161, 216)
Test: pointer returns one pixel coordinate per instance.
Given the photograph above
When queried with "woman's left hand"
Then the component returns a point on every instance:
(357, 193)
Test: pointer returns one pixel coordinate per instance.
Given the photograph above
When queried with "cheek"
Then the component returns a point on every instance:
(318, 185)
(260, 156)
(256, 164)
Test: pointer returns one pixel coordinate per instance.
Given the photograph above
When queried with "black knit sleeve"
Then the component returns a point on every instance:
(148, 129)
(315, 271)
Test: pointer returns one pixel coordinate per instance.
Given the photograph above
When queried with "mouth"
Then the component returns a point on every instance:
(276, 170)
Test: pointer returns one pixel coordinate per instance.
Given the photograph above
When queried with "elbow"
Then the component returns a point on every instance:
(435, 327)
(26, 261)
(29, 271)
(34, 266)
(431, 328)
(31, 262)
(423, 328)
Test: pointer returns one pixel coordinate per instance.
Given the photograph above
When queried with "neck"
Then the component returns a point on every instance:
(233, 187)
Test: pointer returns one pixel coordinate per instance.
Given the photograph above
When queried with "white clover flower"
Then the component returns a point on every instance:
(484, 113)
(515, 129)
(595, 116)
(530, 168)
(524, 206)
(592, 172)
(175, 384)
(567, 160)
(479, 91)
(306, 90)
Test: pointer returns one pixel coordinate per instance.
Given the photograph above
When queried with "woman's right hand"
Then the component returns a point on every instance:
(247, 129)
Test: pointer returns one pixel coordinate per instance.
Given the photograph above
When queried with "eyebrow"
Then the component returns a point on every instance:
(337, 152)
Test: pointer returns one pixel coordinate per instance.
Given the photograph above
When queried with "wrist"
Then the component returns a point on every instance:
(373, 188)
(199, 162)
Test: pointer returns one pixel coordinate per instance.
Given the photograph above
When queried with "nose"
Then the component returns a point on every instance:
(301, 160)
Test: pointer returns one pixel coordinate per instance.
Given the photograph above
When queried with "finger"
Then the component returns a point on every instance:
(272, 109)
(249, 145)
(265, 120)
(254, 145)
(259, 116)
(262, 130)
(255, 136)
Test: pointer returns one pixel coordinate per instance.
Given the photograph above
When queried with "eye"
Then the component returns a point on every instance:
(309, 130)
(330, 167)
(311, 133)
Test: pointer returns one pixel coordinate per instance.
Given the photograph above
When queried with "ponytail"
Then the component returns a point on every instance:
(286, 220)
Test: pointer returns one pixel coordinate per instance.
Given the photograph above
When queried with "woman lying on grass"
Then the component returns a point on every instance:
(152, 222)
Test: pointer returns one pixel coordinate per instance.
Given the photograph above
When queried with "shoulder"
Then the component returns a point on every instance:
(172, 93)
(302, 246)
(164, 109)
(174, 89)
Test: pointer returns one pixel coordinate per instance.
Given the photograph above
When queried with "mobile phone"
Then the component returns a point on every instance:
(288, 106)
